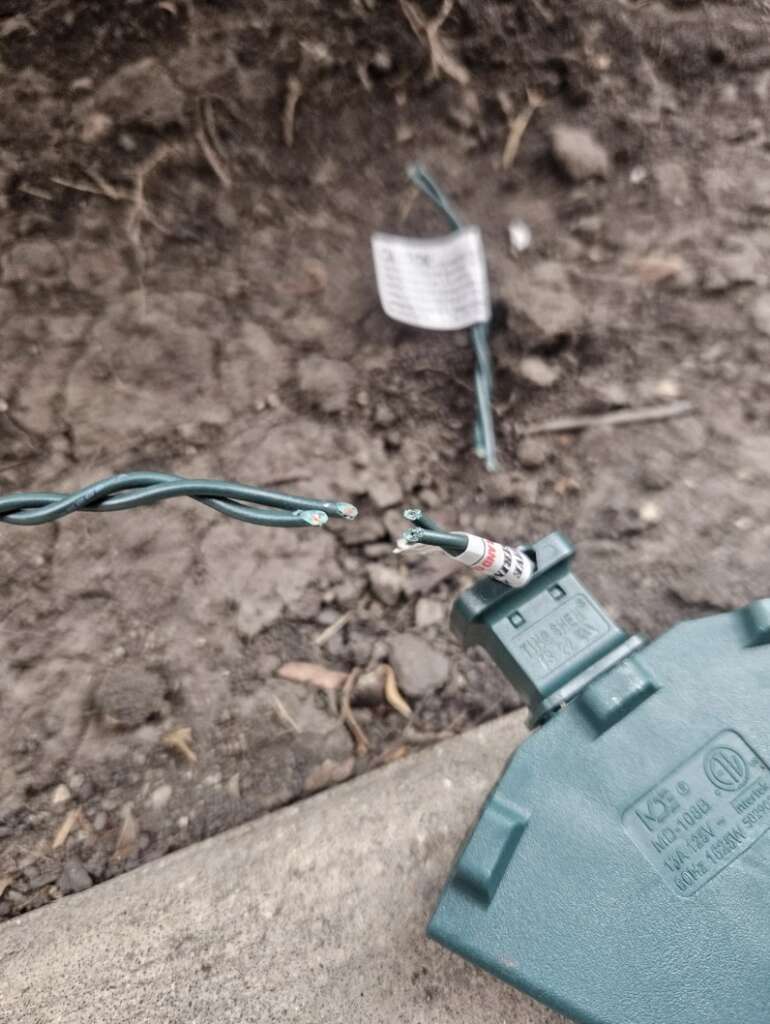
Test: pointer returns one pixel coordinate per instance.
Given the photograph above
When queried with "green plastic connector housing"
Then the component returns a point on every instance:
(619, 871)
(551, 638)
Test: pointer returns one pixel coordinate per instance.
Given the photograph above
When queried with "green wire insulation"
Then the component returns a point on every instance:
(452, 543)
(484, 428)
(132, 490)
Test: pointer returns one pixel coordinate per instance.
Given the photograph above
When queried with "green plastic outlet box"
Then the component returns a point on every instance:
(619, 871)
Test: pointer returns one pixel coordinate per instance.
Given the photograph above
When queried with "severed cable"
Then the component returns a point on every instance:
(133, 490)
(509, 565)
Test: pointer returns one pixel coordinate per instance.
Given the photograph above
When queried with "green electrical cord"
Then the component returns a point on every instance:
(428, 531)
(452, 543)
(484, 428)
(512, 566)
(132, 490)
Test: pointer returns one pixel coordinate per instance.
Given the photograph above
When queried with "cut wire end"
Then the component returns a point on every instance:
(346, 510)
(313, 517)
(501, 562)
(123, 491)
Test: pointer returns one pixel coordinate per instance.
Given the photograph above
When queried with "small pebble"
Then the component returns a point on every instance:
(60, 795)
(650, 513)
(538, 372)
(386, 583)
(74, 878)
(160, 797)
(532, 452)
(428, 612)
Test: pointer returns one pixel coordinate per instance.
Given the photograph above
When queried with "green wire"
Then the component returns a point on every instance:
(132, 490)
(418, 517)
(485, 442)
(452, 543)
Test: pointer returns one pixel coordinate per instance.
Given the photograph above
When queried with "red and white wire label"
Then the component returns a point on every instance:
(503, 563)
(439, 284)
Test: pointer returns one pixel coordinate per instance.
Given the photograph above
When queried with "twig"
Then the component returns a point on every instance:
(294, 91)
(284, 715)
(517, 124)
(611, 419)
(207, 138)
(392, 693)
(362, 744)
(429, 29)
(62, 833)
(36, 193)
(325, 635)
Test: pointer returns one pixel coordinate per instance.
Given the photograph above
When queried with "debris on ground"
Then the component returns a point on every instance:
(185, 282)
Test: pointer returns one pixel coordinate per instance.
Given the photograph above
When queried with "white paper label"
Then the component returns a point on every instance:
(436, 283)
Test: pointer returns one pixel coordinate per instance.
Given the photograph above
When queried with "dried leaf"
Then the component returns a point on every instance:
(128, 835)
(393, 695)
(71, 819)
(315, 675)
(180, 739)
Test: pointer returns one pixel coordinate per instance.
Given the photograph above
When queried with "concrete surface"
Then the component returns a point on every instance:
(314, 914)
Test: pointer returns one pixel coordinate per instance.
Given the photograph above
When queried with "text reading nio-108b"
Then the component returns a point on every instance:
(704, 815)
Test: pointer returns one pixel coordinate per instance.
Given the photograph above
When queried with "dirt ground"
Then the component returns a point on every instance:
(187, 194)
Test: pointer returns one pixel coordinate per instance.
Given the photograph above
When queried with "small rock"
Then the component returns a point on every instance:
(74, 878)
(658, 470)
(650, 513)
(672, 181)
(35, 263)
(760, 313)
(543, 295)
(420, 669)
(511, 487)
(386, 583)
(428, 612)
(95, 127)
(359, 647)
(384, 415)
(578, 153)
(667, 388)
(762, 86)
(604, 395)
(142, 92)
(378, 551)
(740, 261)
(160, 797)
(538, 372)
(128, 699)
(588, 227)
(327, 383)
(386, 492)
(350, 591)
(363, 531)
(638, 174)
(60, 795)
(532, 452)
(519, 236)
